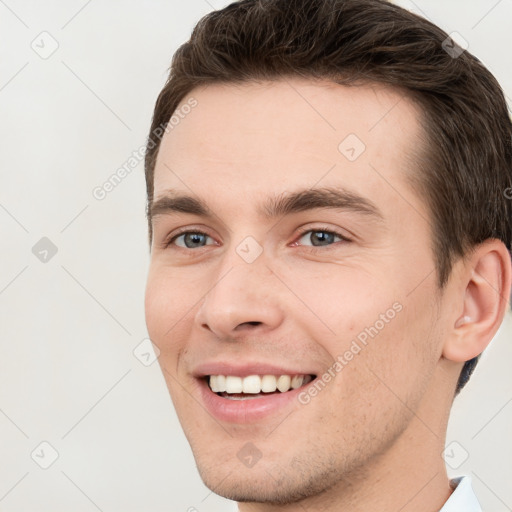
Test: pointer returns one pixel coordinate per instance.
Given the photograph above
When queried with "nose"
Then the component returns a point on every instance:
(242, 296)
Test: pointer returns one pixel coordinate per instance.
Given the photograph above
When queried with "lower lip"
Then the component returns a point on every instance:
(250, 410)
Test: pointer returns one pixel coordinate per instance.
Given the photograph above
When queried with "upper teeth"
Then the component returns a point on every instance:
(255, 383)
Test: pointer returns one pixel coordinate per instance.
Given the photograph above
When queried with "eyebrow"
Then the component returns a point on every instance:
(276, 206)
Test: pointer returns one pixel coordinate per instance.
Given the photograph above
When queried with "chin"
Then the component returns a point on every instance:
(254, 489)
(268, 481)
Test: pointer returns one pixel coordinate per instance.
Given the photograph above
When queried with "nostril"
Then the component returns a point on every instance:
(241, 326)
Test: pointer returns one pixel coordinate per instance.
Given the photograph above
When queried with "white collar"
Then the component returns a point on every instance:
(463, 499)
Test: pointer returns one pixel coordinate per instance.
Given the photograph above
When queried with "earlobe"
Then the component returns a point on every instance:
(486, 281)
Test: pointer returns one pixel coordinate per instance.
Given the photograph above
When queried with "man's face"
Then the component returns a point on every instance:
(294, 293)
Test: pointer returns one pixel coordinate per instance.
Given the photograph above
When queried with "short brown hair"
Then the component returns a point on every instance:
(466, 169)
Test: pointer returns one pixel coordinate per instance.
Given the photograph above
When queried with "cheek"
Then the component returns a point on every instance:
(400, 359)
(381, 333)
(166, 303)
(155, 308)
(347, 302)
(162, 312)
(381, 386)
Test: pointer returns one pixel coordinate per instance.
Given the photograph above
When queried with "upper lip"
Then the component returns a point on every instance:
(242, 369)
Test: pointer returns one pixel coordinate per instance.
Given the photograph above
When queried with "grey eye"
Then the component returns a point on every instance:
(319, 237)
(191, 239)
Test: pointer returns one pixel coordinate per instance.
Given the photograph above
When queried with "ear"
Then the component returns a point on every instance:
(484, 292)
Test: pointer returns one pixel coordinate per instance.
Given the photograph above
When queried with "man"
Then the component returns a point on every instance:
(330, 250)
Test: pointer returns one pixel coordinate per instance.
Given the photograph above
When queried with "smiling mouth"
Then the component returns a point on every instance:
(233, 387)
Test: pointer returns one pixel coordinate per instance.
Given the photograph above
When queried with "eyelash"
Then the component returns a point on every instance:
(302, 232)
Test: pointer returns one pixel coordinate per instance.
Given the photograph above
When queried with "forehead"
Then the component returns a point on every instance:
(257, 138)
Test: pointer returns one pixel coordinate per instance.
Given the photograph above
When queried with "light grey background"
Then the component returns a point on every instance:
(69, 326)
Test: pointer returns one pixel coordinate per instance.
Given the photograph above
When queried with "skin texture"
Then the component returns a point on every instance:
(372, 438)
